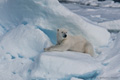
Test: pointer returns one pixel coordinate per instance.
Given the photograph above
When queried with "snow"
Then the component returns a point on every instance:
(50, 17)
(106, 14)
(18, 49)
(111, 58)
(108, 3)
(22, 39)
(111, 25)
(107, 19)
(75, 79)
(96, 3)
(29, 26)
(58, 65)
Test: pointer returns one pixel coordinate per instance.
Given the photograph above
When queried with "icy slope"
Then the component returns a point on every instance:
(19, 49)
(111, 62)
(49, 15)
(24, 39)
(65, 65)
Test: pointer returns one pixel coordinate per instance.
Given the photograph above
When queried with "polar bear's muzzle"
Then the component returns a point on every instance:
(64, 35)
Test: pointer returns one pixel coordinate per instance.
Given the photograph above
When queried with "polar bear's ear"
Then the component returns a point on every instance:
(57, 29)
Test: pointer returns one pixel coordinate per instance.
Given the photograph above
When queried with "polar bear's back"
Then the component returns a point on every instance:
(77, 43)
(80, 44)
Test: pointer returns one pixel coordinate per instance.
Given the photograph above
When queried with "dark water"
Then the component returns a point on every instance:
(113, 0)
(114, 31)
(116, 0)
(101, 0)
(98, 0)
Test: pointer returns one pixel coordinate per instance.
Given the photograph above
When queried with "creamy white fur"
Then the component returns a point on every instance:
(71, 43)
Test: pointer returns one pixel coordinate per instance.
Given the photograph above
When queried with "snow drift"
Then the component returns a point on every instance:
(24, 39)
(110, 60)
(18, 50)
(49, 15)
(65, 65)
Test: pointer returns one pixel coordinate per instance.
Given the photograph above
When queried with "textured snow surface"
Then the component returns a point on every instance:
(58, 65)
(111, 25)
(29, 26)
(50, 15)
(18, 50)
(95, 3)
(110, 59)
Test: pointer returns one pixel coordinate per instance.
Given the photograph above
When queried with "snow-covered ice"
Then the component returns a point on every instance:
(51, 15)
(111, 25)
(28, 26)
(105, 17)
(107, 14)
(65, 65)
(95, 3)
(110, 59)
(24, 39)
(18, 50)
(75, 79)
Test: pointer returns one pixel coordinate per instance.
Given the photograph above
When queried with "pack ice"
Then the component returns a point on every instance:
(28, 26)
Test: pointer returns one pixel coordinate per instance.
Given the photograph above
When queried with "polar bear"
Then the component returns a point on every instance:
(67, 42)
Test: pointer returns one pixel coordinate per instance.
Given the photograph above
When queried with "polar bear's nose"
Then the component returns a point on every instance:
(65, 36)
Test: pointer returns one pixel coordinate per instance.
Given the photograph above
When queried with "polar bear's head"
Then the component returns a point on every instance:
(61, 34)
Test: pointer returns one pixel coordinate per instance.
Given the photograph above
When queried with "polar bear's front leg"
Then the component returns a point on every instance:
(57, 48)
